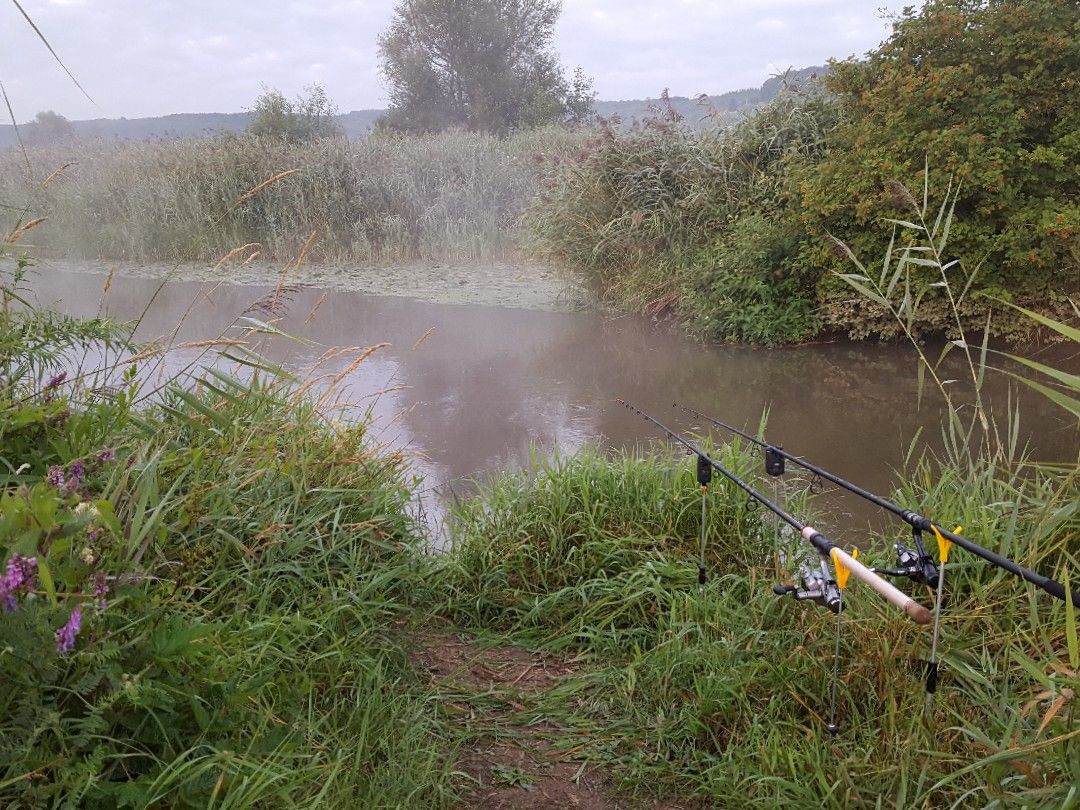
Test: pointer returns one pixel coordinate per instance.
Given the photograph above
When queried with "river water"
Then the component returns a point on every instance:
(489, 383)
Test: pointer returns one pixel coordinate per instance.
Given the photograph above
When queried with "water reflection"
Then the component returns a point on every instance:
(488, 383)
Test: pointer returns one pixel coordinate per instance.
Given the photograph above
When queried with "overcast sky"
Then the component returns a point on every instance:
(154, 57)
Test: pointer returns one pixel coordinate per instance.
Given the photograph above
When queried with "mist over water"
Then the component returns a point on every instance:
(489, 384)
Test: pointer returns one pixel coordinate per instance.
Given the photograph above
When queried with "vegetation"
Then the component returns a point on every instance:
(664, 217)
(310, 116)
(985, 93)
(454, 196)
(483, 65)
(722, 696)
(970, 100)
(200, 592)
(210, 588)
(48, 127)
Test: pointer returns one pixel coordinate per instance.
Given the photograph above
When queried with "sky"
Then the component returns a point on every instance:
(140, 58)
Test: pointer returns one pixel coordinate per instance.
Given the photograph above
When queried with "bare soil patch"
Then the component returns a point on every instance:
(512, 764)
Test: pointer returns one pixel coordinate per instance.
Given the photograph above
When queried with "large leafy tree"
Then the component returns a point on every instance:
(479, 64)
(985, 93)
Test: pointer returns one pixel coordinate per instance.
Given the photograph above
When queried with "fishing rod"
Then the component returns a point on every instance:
(913, 565)
(818, 587)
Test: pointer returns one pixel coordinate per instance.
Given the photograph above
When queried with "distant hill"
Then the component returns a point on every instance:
(697, 111)
(358, 123)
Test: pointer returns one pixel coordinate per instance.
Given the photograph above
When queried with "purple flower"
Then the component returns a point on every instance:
(105, 454)
(76, 472)
(92, 535)
(65, 636)
(55, 476)
(53, 384)
(101, 589)
(17, 579)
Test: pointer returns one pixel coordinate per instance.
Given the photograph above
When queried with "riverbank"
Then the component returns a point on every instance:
(222, 597)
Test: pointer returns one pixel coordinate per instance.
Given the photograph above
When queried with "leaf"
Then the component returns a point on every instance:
(1063, 377)
(46, 577)
(1071, 404)
(903, 223)
(858, 282)
(1062, 329)
(1055, 707)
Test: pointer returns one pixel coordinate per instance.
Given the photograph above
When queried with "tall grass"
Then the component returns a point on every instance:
(699, 223)
(455, 196)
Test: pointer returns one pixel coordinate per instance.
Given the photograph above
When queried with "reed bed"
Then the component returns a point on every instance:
(455, 196)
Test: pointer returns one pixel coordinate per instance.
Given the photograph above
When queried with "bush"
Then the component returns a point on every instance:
(974, 99)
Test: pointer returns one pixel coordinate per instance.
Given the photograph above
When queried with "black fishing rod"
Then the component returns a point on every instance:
(825, 547)
(917, 522)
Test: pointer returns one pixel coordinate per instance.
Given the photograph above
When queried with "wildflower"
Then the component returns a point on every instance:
(87, 555)
(101, 589)
(75, 474)
(55, 476)
(92, 534)
(53, 384)
(65, 636)
(18, 578)
(105, 454)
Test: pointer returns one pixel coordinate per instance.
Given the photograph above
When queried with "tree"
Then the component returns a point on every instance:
(48, 127)
(984, 92)
(309, 117)
(479, 64)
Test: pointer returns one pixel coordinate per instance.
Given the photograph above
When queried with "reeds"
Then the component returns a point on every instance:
(456, 196)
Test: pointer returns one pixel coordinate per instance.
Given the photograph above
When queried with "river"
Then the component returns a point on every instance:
(488, 383)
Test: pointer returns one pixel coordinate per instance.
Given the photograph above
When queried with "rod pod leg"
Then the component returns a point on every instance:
(704, 476)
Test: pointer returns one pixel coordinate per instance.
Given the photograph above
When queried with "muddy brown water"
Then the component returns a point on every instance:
(490, 383)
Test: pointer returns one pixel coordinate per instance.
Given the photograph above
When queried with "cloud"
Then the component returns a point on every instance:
(141, 58)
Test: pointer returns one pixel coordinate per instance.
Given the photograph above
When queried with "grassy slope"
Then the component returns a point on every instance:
(722, 696)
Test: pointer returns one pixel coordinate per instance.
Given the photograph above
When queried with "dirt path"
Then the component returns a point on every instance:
(519, 285)
(512, 760)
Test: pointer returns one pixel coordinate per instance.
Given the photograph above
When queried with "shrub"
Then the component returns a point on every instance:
(983, 94)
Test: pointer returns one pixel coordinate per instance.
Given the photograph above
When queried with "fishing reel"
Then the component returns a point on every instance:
(916, 565)
(817, 587)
